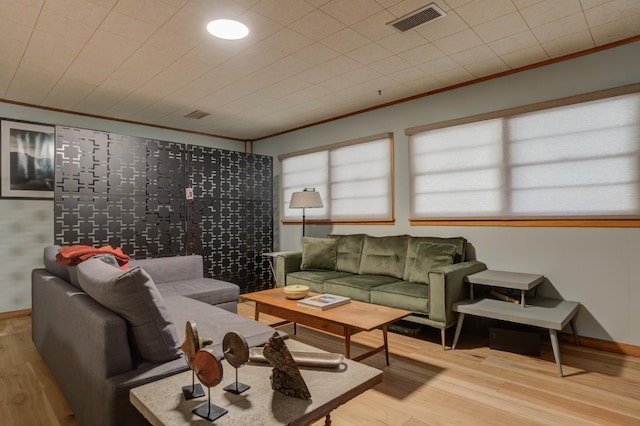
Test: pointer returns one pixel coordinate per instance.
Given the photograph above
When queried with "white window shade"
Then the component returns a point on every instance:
(456, 171)
(353, 178)
(305, 171)
(361, 182)
(580, 160)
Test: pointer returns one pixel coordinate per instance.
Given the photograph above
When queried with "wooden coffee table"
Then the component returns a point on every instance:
(345, 320)
(162, 403)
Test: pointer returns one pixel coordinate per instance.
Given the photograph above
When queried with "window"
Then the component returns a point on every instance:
(353, 178)
(573, 161)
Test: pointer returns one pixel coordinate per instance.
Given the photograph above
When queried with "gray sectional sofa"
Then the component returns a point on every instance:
(424, 275)
(102, 330)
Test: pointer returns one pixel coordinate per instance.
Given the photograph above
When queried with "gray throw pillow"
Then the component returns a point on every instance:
(428, 257)
(50, 264)
(319, 253)
(109, 259)
(133, 295)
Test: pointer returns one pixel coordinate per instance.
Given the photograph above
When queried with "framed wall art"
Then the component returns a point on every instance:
(26, 160)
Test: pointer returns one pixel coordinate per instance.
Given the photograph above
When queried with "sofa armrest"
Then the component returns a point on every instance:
(446, 286)
(285, 264)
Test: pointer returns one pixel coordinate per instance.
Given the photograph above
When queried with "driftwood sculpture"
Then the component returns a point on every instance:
(285, 377)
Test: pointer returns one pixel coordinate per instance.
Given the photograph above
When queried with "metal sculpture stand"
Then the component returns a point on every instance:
(208, 368)
(236, 352)
(192, 343)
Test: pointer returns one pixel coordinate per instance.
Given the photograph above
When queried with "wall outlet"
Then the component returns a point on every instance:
(189, 193)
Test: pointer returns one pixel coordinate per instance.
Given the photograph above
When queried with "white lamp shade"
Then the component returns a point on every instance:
(305, 200)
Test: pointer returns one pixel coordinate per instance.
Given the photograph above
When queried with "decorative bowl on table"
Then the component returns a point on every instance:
(295, 291)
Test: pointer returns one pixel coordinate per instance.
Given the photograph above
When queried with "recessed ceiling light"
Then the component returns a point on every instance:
(227, 29)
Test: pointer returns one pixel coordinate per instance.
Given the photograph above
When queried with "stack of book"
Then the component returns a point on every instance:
(323, 301)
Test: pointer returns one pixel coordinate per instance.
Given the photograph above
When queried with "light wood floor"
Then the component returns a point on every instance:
(424, 385)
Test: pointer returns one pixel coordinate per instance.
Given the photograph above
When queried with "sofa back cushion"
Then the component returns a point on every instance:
(50, 264)
(318, 254)
(412, 248)
(428, 257)
(384, 255)
(349, 252)
(133, 295)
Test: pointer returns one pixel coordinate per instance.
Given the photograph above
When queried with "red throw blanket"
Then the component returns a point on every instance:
(73, 255)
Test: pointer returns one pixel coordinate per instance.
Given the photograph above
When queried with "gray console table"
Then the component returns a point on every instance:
(552, 314)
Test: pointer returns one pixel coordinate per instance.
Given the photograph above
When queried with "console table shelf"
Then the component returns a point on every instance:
(552, 314)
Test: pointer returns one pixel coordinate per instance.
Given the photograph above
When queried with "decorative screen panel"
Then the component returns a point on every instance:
(129, 192)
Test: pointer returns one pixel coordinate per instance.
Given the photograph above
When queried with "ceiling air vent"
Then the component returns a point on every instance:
(197, 114)
(421, 16)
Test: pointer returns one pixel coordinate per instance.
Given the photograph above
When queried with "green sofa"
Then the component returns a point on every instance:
(424, 275)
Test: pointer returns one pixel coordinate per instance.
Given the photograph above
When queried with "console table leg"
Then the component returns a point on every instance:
(386, 342)
(572, 322)
(347, 343)
(327, 420)
(553, 335)
(458, 328)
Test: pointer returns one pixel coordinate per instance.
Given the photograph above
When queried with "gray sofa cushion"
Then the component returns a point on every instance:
(428, 257)
(206, 290)
(318, 254)
(384, 256)
(133, 295)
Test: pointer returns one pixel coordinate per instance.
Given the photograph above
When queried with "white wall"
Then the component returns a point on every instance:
(595, 266)
(26, 226)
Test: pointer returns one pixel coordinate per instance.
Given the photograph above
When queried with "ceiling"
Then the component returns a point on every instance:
(152, 61)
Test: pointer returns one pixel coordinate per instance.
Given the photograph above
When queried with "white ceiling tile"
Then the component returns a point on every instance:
(66, 94)
(439, 65)
(130, 105)
(443, 27)
(362, 74)
(375, 26)
(336, 84)
(286, 41)
(379, 83)
(487, 67)
(454, 76)
(502, 27)
(423, 84)
(457, 3)
(401, 42)
(407, 75)
(340, 65)
(8, 67)
(174, 45)
(589, 4)
(476, 54)
(422, 54)
(560, 28)
(88, 14)
(458, 42)
(317, 3)
(13, 38)
(478, 12)
(351, 11)
(54, 50)
(317, 25)
(523, 4)
(345, 40)
(568, 44)
(315, 75)
(616, 30)
(30, 87)
(155, 112)
(390, 65)
(127, 26)
(141, 67)
(550, 10)
(21, 12)
(526, 56)
(98, 101)
(149, 11)
(406, 7)
(514, 43)
(65, 26)
(388, 3)
(612, 11)
(283, 11)
(369, 53)
(260, 27)
(315, 54)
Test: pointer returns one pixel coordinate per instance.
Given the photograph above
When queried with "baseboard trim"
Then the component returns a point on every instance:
(15, 314)
(605, 345)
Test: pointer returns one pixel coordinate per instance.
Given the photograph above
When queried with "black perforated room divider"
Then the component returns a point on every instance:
(129, 192)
